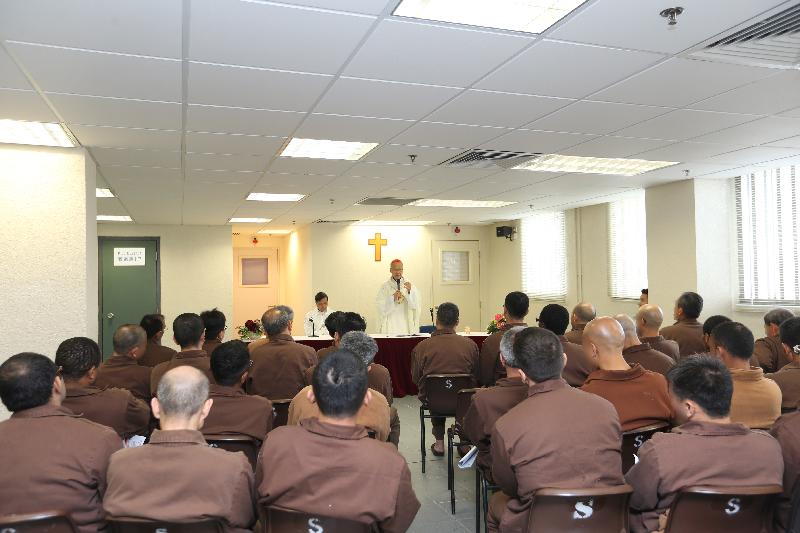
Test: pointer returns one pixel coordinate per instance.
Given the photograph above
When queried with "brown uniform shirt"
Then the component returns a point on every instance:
(665, 346)
(649, 358)
(770, 354)
(155, 354)
(445, 352)
(575, 335)
(114, 408)
(322, 352)
(486, 408)
(579, 365)
(756, 401)
(640, 396)
(688, 334)
(787, 432)
(278, 367)
(375, 415)
(210, 346)
(576, 444)
(177, 477)
(124, 372)
(336, 471)
(54, 459)
(378, 378)
(237, 413)
(196, 358)
(698, 453)
(251, 347)
(489, 367)
(788, 380)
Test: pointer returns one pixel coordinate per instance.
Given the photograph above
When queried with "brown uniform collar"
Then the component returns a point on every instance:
(314, 425)
(190, 354)
(221, 390)
(711, 429)
(281, 337)
(510, 382)
(751, 374)
(687, 322)
(638, 348)
(655, 338)
(121, 360)
(177, 436)
(510, 325)
(578, 327)
(43, 411)
(443, 332)
(548, 386)
(617, 375)
(74, 391)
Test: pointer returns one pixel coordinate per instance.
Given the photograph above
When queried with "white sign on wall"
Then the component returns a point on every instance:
(129, 257)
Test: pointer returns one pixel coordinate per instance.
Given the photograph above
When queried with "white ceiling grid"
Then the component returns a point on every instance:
(184, 104)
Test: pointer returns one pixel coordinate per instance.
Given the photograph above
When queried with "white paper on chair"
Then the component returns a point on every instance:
(469, 458)
(135, 441)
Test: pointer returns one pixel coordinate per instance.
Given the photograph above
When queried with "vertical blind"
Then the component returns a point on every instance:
(627, 246)
(767, 234)
(544, 256)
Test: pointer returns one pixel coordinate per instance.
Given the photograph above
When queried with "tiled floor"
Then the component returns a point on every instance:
(431, 487)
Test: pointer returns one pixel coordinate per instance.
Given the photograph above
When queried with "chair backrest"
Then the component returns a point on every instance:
(722, 509)
(632, 440)
(236, 443)
(280, 412)
(463, 400)
(599, 510)
(44, 522)
(158, 526)
(794, 511)
(442, 391)
(282, 521)
(427, 329)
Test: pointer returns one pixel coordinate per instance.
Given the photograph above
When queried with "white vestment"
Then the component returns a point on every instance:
(398, 318)
(319, 322)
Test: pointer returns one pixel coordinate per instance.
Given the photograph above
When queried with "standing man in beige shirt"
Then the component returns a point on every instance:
(686, 330)
(768, 350)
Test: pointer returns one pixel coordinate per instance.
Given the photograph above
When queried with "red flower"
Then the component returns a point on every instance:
(498, 317)
(251, 325)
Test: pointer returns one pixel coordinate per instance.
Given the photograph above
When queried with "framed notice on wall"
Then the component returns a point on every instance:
(129, 257)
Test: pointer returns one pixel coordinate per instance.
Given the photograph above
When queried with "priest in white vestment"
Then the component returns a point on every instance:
(398, 303)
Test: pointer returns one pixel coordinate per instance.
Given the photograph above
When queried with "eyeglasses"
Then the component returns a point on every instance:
(60, 372)
(250, 364)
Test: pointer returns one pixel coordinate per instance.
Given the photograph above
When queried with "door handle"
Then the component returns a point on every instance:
(110, 315)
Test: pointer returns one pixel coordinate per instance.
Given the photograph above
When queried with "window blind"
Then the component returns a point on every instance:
(544, 256)
(627, 246)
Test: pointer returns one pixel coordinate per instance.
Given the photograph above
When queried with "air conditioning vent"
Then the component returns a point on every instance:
(479, 158)
(387, 201)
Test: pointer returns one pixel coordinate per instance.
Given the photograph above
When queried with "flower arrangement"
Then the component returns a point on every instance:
(252, 329)
(498, 324)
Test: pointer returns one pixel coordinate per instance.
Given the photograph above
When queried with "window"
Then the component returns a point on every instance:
(627, 247)
(455, 266)
(767, 203)
(255, 271)
(544, 256)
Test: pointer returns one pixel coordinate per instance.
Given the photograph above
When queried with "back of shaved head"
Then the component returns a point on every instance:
(627, 323)
(605, 333)
(584, 312)
(652, 315)
(182, 392)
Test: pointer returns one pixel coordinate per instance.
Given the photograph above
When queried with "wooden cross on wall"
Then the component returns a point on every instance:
(377, 242)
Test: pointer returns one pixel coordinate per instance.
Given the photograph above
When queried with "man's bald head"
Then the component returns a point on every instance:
(627, 323)
(651, 315)
(276, 320)
(583, 313)
(182, 392)
(127, 337)
(606, 334)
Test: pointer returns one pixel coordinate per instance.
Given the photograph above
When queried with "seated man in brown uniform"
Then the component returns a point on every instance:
(640, 396)
(445, 352)
(330, 325)
(234, 412)
(155, 353)
(278, 365)
(343, 323)
(329, 466)
(756, 400)
(555, 318)
(51, 458)
(214, 323)
(687, 331)
(788, 377)
(701, 449)
(118, 409)
(557, 437)
(122, 370)
(582, 314)
(635, 351)
(768, 350)
(649, 318)
(177, 477)
(189, 333)
(489, 404)
(708, 326)
(515, 309)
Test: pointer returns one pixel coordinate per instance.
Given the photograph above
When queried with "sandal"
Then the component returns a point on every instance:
(435, 453)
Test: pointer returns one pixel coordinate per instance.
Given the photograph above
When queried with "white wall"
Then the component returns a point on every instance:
(196, 265)
(296, 268)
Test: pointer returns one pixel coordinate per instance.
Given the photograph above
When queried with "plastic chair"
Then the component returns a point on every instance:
(632, 440)
(599, 510)
(44, 522)
(236, 443)
(483, 491)
(280, 412)
(427, 329)
(715, 509)
(442, 395)
(463, 401)
(282, 521)
(158, 526)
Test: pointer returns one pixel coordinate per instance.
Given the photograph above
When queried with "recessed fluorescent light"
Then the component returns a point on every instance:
(434, 202)
(515, 15)
(323, 149)
(249, 220)
(393, 222)
(103, 193)
(268, 197)
(114, 218)
(37, 133)
(593, 165)
(275, 231)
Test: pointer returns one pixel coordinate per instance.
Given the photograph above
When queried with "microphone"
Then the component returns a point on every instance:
(313, 334)
(398, 283)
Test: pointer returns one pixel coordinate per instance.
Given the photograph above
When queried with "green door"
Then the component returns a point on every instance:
(129, 284)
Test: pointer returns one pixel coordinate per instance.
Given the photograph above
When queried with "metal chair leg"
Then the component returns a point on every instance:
(422, 435)
(477, 499)
(485, 491)
(451, 472)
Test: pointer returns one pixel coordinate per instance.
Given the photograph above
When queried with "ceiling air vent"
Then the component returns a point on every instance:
(323, 221)
(387, 201)
(478, 158)
(772, 42)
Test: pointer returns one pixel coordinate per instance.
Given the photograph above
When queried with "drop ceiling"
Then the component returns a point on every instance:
(185, 104)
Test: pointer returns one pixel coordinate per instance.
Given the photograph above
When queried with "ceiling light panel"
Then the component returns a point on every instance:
(325, 149)
(271, 197)
(249, 220)
(114, 218)
(393, 222)
(35, 133)
(593, 165)
(525, 16)
(103, 193)
(435, 202)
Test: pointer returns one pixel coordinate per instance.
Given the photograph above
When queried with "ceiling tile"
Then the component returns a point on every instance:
(566, 69)
(218, 119)
(226, 162)
(752, 156)
(399, 153)
(136, 157)
(343, 128)
(792, 113)
(231, 177)
(790, 142)
(98, 111)
(109, 137)
(230, 143)
(767, 96)
(685, 152)
(370, 7)
(614, 147)
(679, 82)
(536, 141)
(24, 105)
(385, 170)
(130, 176)
(110, 206)
(300, 165)
(449, 135)
(760, 131)
(488, 108)
(11, 77)
(596, 117)
(148, 208)
(292, 183)
(86, 72)
(212, 203)
(685, 124)
(427, 53)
